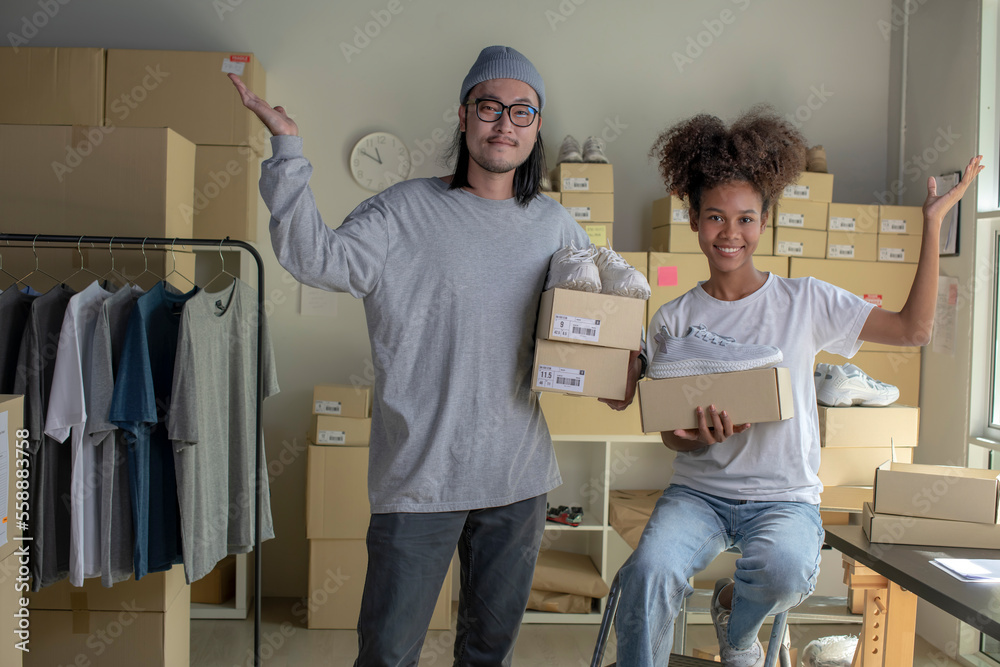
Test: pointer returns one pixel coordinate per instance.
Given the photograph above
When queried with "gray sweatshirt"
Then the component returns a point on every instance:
(451, 283)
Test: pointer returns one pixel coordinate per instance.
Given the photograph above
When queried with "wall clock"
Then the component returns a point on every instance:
(379, 160)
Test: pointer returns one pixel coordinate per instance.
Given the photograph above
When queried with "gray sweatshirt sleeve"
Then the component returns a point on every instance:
(347, 259)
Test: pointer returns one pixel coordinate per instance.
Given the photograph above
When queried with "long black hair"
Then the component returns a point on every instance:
(527, 176)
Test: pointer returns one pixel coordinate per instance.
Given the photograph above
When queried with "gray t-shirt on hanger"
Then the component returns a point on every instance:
(451, 284)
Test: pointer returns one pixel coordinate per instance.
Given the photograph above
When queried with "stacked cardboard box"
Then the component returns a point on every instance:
(900, 232)
(565, 583)
(800, 216)
(671, 230)
(851, 232)
(587, 191)
(856, 440)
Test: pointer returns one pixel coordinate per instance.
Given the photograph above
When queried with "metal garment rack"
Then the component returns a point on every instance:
(220, 243)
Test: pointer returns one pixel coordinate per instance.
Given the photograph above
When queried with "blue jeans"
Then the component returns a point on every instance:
(408, 558)
(780, 544)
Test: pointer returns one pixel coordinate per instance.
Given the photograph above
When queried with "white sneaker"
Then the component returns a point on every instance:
(569, 151)
(841, 386)
(730, 656)
(593, 150)
(619, 277)
(570, 268)
(545, 185)
(700, 352)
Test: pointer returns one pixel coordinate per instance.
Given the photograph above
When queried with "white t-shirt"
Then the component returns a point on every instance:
(800, 316)
(66, 417)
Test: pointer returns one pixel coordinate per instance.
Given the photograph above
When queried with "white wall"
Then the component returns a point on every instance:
(606, 65)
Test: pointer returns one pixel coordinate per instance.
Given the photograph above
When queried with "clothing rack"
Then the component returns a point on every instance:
(142, 242)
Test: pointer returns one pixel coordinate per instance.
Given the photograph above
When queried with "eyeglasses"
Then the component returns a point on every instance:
(489, 111)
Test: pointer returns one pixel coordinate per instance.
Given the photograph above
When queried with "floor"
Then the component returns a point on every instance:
(286, 642)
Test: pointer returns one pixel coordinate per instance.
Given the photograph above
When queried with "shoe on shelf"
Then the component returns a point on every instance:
(545, 185)
(569, 151)
(593, 150)
(569, 516)
(816, 159)
(729, 655)
(575, 269)
(842, 386)
(700, 352)
(618, 277)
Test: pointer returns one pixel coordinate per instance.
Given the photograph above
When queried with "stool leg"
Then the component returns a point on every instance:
(610, 609)
(774, 645)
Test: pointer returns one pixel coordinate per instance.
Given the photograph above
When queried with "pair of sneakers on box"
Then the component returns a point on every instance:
(593, 269)
(846, 385)
(592, 151)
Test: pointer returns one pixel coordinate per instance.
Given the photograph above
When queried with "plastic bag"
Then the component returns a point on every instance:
(836, 651)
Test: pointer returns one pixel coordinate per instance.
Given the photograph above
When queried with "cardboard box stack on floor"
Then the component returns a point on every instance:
(564, 582)
(852, 232)
(337, 509)
(900, 231)
(671, 230)
(587, 190)
(800, 216)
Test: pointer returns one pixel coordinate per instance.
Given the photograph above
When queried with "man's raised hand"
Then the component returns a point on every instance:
(276, 120)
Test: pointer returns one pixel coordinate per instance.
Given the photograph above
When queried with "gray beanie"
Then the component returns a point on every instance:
(503, 62)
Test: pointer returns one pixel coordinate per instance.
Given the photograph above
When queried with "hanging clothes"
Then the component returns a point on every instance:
(14, 308)
(212, 423)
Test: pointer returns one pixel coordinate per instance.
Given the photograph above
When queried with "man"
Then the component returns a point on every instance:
(450, 270)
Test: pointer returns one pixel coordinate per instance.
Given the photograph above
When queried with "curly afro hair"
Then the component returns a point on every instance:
(760, 148)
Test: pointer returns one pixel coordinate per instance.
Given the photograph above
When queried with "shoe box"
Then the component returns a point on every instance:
(856, 426)
(49, 86)
(337, 504)
(860, 218)
(342, 400)
(852, 246)
(855, 466)
(343, 431)
(601, 234)
(755, 396)
(670, 211)
(791, 242)
(590, 318)
(566, 414)
(810, 185)
(583, 370)
(938, 492)
(918, 530)
(801, 214)
(908, 220)
(583, 177)
(899, 248)
(590, 206)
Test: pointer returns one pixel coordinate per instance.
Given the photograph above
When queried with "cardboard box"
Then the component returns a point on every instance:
(852, 245)
(846, 498)
(559, 603)
(898, 529)
(123, 636)
(154, 592)
(799, 242)
(344, 431)
(938, 492)
(217, 586)
(855, 466)
(188, 92)
(869, 427)
(761, 395)
(801, 214)
(337, 493)
(341, 400)
(811, 185)
(44, 86)
(859, 218)
(590, 206)
(12, 417)
(601, 234)
(670, 211)
(337, 570)
(225, 193)
(565, 572)
(566, 414)
(555, 195)
(583, 177)
(899, 248)
(901, 220)
(10, 604)
(901, 369)
(584, 370)
(591, 319)
(629, 512)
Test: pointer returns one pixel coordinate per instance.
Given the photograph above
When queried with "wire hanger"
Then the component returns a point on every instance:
(145, 265)
(37, 269)
(173, 269)
(14, 285)
(82, 267)
(110, 274)
(223, 271)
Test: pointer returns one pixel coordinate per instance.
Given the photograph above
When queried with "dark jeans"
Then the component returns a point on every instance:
(408, 558)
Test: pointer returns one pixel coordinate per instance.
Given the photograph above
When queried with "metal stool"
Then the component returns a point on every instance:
(774, 654)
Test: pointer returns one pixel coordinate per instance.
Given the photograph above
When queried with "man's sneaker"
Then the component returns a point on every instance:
(569, 516)
(730, 656)
(570, 150)
(570, 268)
(619, 277)
(700, 352)
(841, 386)
(816, 159)
(593, 150)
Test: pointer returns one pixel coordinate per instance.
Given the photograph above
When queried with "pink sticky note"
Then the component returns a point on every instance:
(666, 276)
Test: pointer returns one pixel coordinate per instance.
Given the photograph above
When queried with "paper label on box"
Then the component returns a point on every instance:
(842, 251)
(327, 407)
(576, 328)
(680, 215)
(576, 183)
(598, 234)
(563, 379)
(579, 212)
(331, 437)
(842, 224)
(235, 64)
(790, 248)
(891, 255)
(873, 299)
(894, 226)
(666, 276)
(796, 192)
(791, 220)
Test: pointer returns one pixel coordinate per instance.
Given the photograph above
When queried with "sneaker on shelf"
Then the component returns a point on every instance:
(569, 151)
(571, 268)
(700, 352)
(842, 386)
(816, 159)
(569, 516)
(618, 277)
(545, 185)
(729, 655)
(593, 150)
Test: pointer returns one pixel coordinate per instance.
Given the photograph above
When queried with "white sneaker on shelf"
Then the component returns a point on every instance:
(569, 151)
(730, 656)
(700, 352)
(593, 150)
(619, 277)
(575, 269)
(842, 386)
